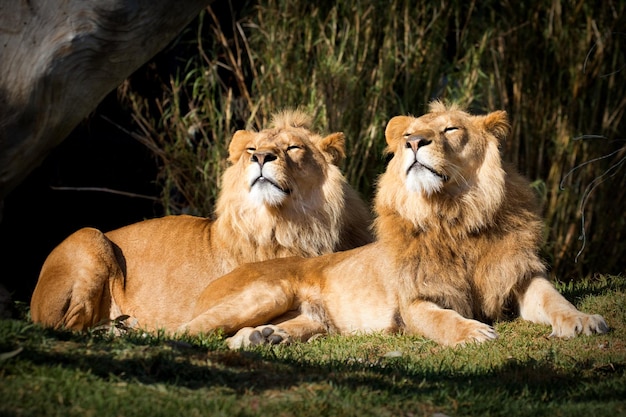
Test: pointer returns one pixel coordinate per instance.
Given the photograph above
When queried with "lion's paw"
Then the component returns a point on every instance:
(568, 325)
(262, 335)
(474, 331)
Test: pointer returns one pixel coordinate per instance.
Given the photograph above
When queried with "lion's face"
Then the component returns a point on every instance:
(284, 164)
(442, 151)
(285, 195)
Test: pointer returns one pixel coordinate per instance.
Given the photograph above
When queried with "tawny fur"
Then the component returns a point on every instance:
(154, 270)
(458, 234)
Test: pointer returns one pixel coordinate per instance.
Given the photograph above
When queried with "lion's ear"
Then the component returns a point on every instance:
(333, 145)
(497, 123)
(238, 144)
(395, 129)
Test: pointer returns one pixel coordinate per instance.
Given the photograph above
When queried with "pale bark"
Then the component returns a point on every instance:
(60, 58)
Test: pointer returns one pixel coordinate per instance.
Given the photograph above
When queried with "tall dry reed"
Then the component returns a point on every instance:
(558, 68)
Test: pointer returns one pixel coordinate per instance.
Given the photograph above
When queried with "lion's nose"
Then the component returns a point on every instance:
(416, 142)
(262, 157)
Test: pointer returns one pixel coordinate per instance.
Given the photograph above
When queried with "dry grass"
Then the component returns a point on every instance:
(558, 68)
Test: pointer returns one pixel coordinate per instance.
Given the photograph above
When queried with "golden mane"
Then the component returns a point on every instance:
(291, 118)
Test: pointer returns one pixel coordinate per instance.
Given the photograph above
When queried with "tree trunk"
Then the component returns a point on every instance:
(60, 58)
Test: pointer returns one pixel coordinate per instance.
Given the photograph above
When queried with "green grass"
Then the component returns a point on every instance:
(45, 372)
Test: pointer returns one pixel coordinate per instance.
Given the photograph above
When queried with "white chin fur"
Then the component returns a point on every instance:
(264, 193)
(267, 194)
(420, 179)
(423, 181)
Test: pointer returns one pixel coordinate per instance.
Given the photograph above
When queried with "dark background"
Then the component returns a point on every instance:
(37, 217)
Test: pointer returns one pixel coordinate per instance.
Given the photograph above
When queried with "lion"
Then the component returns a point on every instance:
(457, 239)
(282, 195)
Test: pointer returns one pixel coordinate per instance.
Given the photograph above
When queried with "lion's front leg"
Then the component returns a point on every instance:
(231, 315)
(245, 297)
(542, 303)
(445, 326)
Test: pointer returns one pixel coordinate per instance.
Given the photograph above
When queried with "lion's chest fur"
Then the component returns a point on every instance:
(441, 271)
(252, 238)
(473, 272)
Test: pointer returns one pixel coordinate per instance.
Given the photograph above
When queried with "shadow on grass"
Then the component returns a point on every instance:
(193, 367)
